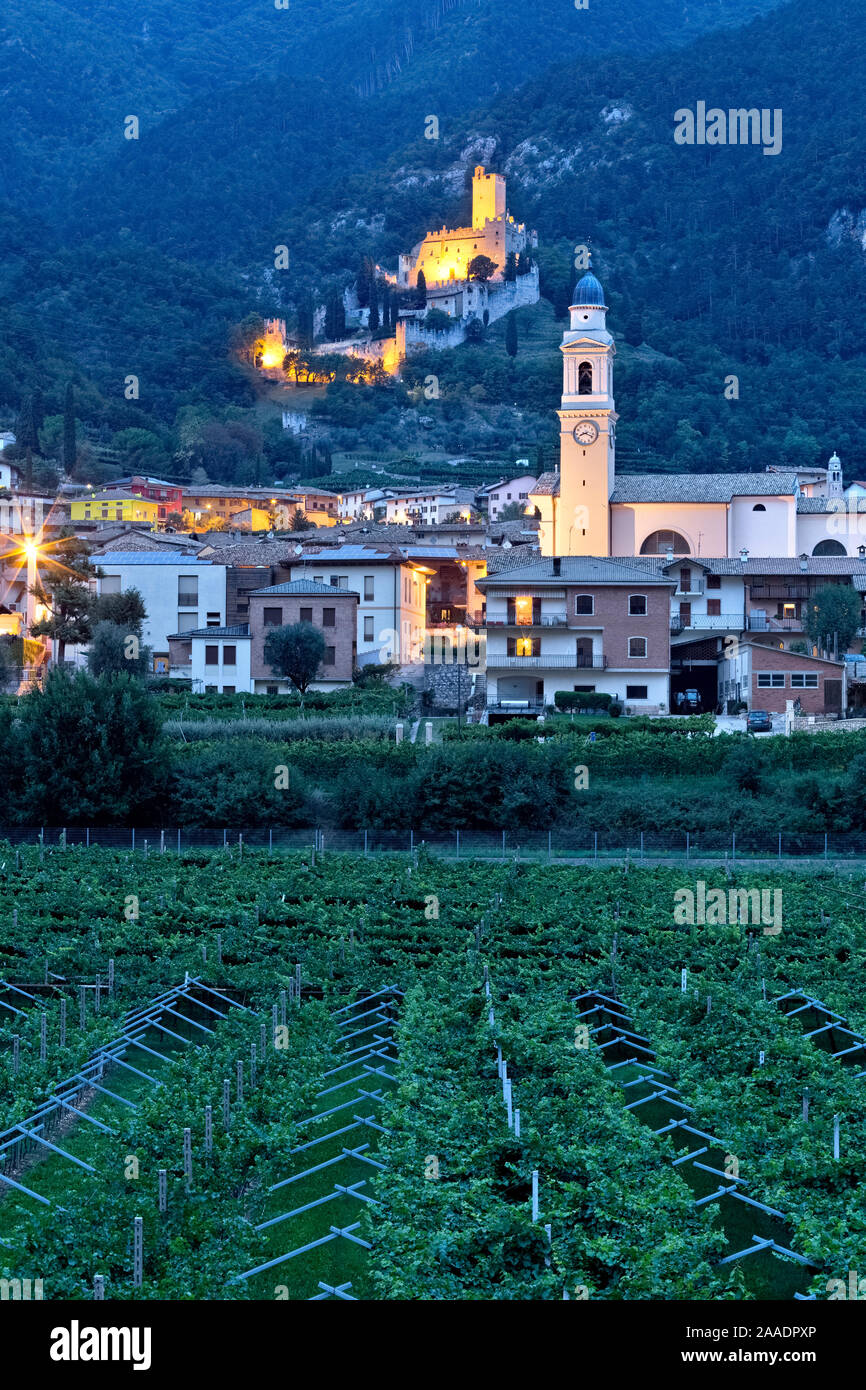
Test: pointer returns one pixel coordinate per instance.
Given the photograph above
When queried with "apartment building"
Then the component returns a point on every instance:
(180, 592)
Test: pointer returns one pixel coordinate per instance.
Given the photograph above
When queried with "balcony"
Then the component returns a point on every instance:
(766, 623)
(693, 586)
(552, 620)
(708, 622)
(546, 663)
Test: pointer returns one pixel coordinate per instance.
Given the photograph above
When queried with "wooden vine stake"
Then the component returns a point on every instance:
(163, 1190)
(836, 1137)
(43, 1038)
(240, 1082)
(187, 1157)
(99, 1287)
(227, 1106)
(252, 1065)
(208, 1129)
(63, 1023)
(283, 1007)
(535, 1194)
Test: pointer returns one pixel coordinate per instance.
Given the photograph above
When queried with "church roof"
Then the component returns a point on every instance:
(701, 487)
(546, 486)
(820, 505)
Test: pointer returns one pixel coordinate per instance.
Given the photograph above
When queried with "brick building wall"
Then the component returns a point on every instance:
(816, 700)
(611, 612)
(339, 635)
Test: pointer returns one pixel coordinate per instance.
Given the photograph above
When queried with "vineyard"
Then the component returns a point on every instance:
(231, 1074)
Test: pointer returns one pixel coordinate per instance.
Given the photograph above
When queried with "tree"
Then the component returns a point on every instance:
(63, 587)
(524, 263)
(92, 749)
(374, 307)
(299, 522)
(513, 511)
(438, 320)
(126, 608)
(26, 436)
(295, 652)
(833, 617)
(481, 268)
(510, 272)
(70, 444)
(421, 283)
(511, 334)
(115, 649)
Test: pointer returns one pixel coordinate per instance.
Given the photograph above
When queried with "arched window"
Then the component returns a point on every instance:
(829, 548)
(584, 379)
(661, 541)
(759, 507)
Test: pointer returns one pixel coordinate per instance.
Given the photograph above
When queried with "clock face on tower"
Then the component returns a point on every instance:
(586, 432)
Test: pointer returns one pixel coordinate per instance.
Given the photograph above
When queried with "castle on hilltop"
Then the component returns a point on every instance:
(444, 257)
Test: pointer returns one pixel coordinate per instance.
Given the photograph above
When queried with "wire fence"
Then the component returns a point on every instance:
(560, 843)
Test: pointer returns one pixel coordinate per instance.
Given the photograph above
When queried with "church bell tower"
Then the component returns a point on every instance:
(587, 421)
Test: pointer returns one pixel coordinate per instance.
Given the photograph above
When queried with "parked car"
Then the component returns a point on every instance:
(759, 721)
(691, 702)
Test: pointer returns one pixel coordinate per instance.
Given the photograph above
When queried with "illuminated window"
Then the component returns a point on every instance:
(523, 646)
(523, 610)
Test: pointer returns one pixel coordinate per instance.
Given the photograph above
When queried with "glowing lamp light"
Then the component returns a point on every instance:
(31, 550)
(273, 356)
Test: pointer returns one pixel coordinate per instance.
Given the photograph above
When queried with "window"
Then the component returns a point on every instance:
(714, 607)
(318, 579)
(584, 603)
(759, 507)
(714, 581)
(369, 586)
(636, 692)
(584, 379)
(829, 548)
(187, 621)
(637, 605)
(273, 617)
(329, 617)
(211, 656)
(210, 690)
(339, 581)
(368, 630)
(271, 689)
(228, 690)
(804, 680)
(306, 615)
(771, 680)
(659, 542)
(214, 620)
(585, 689)
(330, 656)
(637, 646)
(110, 584)
(187, 591)
(523, 646)
(230, 656)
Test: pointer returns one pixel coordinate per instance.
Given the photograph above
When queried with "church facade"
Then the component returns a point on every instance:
(586, 509)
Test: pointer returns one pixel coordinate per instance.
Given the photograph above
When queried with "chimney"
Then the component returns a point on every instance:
(861, 551)
(669, 555)
(557, 566)
(804, 563)
(744, 555)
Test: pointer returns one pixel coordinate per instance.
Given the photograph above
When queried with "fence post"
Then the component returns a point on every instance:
(826, 841)
(365, 844)
(187, 1157)
(208, 1129)
(641, 846)
(178, 839)
(458, 843)
(595, 845)
(271, 841)
(87, 841)
(240, 1081)
(411, 841)
(226, 1104)
(733, 844)
(63, 1023)
(549, 834)
(688, 844)
(503, 846)
(133, 837)
(163, 1189)
(98, 1286)
(780, 844)
(43, 1038)
(535, 1194)
(138, 1252)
